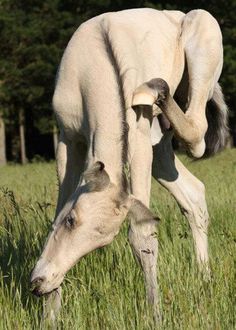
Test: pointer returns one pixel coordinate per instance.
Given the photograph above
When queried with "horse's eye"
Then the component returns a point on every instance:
(70, 221)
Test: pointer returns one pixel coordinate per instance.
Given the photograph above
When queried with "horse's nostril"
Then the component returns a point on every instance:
(37, 281)
(35, 285)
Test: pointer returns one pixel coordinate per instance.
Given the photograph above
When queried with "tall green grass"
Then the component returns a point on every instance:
(106, 290)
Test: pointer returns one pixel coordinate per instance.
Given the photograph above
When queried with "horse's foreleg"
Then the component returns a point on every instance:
(52, 307)
(142, 235)
(70, 164)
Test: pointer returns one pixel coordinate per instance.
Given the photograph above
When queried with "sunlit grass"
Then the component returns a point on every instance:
(106, 290)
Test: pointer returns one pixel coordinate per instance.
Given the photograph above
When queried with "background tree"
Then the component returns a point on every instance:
(34, 35)
(3, 159)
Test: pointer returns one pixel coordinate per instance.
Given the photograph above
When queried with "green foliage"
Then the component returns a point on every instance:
(106, 289)
(33, 38)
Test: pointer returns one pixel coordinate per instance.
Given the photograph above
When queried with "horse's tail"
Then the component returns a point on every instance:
(217, 118)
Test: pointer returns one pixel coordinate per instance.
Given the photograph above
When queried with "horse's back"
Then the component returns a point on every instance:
(113, 52)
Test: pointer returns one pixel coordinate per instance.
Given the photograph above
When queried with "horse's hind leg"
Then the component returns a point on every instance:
(188, 191)
(201, 43)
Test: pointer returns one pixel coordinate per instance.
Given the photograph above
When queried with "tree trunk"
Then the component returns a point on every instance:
(22, 137)
(3, 159)
(55, 139)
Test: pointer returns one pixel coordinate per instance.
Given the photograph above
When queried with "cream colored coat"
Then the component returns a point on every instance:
(104, 85)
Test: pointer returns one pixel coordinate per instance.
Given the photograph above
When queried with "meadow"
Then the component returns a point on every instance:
(106, 290)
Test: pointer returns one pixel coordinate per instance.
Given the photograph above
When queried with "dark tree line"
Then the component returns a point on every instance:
(34, 34)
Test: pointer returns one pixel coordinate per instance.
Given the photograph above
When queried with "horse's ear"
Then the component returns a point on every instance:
(96, 177)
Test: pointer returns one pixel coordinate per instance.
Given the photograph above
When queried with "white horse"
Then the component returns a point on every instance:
(129, 81)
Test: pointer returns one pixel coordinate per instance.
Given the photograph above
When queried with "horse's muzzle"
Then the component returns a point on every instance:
(35, 286)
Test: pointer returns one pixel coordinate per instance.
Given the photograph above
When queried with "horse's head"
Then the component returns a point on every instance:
(90, 219)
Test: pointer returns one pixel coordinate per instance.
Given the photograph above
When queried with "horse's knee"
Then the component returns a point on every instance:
(144, 242)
